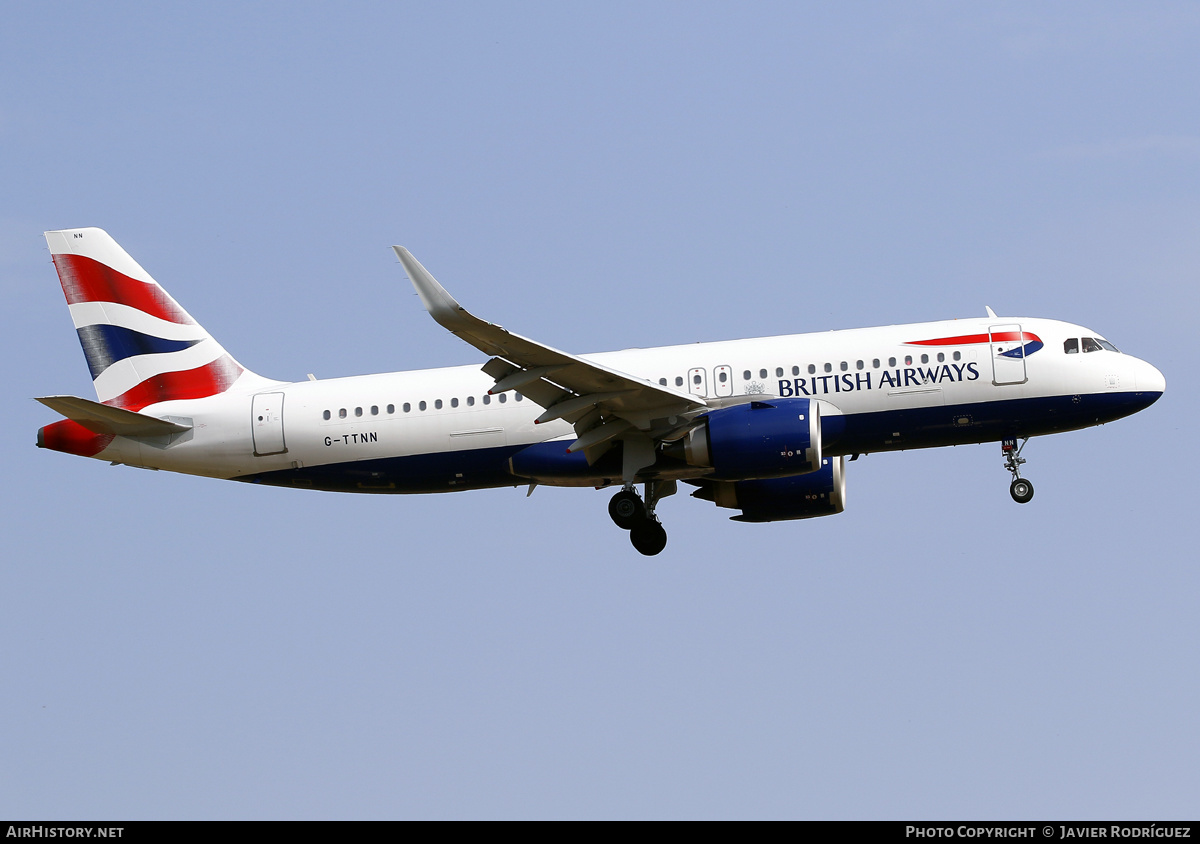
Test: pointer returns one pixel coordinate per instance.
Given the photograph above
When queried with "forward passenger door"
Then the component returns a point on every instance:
(1008, 354)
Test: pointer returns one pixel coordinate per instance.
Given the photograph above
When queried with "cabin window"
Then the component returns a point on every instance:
(812, 369)
(762, 373)
(745, 376)
(829, 367)
(487, 399)
(454, 402)
(374, 410)
(843, 366)
(391, 409)
(908, 360)
(437, 404)
(662, 381)
(795, 370)
(941, 357)
(358, 411)
(503, 398)
(407, 407)
(859, 364)
(924, 358)
(891, 361)
(696, 378)
(518, 397)
(326, 415)
(470, 401)
(875, 363)
(958, 355)
(779, 372)
(342, 413)
(722, 376)
(679, 379)
(422, 405)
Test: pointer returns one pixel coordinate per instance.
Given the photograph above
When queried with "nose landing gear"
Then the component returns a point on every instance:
(630, 513)
(1020, 489)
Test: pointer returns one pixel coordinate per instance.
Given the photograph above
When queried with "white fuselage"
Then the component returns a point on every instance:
(895, 387)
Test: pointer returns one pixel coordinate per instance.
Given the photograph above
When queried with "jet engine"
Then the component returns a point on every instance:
(819, 493)
(761, 439)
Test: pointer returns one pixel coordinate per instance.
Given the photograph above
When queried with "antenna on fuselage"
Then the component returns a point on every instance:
(991, 313)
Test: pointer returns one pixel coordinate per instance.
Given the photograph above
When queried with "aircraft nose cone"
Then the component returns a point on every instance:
(1150, 380)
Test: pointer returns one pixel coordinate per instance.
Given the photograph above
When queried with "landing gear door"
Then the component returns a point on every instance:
(266, 421)
(697, 382)
(1008, 354)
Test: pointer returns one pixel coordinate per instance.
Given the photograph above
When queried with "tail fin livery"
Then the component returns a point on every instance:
(141, 346)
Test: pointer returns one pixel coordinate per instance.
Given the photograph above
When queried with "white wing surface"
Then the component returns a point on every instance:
(602, 403)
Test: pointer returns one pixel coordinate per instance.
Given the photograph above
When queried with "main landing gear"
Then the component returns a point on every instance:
(631, 513)
(1020, 489)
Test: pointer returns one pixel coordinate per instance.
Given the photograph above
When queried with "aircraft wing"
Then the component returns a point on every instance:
(602, 403)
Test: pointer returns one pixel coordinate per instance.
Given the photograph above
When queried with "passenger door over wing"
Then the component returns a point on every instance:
(723, 381)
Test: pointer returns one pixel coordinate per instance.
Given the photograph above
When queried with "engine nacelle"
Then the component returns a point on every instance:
(819, 493)
(762, 439)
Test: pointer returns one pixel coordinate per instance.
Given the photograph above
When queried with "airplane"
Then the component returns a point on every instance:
(763, 426)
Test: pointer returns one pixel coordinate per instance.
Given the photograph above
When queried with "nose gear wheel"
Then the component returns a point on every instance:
(1020, 489)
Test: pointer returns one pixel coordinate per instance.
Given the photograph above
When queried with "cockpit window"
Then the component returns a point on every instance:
(1094, 344)
(1071, 347)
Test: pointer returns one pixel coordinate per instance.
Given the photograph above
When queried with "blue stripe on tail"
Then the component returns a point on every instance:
(104, 345)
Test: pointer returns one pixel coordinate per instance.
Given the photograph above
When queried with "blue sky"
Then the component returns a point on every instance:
(637, 175)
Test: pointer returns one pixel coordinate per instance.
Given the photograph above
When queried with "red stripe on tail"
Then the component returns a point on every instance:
(199, 383)
(87, 280)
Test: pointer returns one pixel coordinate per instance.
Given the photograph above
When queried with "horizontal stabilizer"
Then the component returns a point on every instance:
(103, 419)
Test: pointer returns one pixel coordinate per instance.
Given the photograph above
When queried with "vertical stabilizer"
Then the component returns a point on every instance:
(141, 346)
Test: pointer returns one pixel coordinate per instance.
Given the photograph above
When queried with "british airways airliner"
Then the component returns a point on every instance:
(761, 426)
